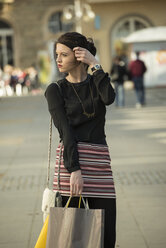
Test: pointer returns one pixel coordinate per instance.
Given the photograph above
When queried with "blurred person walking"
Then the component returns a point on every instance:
(118, 73)
(7, 72)
(137, 69)
(31, 79)
(14, 79)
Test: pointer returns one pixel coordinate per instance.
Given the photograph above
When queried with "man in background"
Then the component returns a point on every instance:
(137, 69)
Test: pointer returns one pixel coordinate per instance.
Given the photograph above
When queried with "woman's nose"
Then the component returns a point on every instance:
(58, 59)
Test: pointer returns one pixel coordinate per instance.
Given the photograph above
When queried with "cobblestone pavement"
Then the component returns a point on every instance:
(137, 141)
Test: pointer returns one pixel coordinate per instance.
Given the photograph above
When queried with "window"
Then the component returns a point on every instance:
(6, 45)
(4, 25)
(56, 25)
(139, 25)
(130, 25)
(122, 29)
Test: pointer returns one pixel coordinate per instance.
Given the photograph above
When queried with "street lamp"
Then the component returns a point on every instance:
(78, 12)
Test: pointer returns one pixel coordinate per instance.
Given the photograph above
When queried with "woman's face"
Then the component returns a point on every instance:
(65, 58)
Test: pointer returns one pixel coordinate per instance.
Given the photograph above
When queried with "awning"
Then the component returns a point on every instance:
(147, 35)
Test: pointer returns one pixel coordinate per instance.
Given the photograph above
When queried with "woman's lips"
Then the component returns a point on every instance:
(59, 66)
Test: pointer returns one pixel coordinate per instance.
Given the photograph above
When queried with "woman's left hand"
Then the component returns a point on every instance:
(76, 183)
(83, 55)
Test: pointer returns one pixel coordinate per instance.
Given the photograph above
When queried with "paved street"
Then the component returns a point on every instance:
(137, 141)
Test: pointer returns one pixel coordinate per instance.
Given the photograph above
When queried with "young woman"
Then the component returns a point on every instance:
(77, 106)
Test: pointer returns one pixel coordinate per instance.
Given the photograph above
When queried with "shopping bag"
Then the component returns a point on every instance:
(75, 228)
(41, 242)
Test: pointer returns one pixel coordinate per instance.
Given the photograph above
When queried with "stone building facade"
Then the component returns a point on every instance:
(27, 27)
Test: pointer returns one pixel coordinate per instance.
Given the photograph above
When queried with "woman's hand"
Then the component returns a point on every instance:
(76, 183)
(85, 56)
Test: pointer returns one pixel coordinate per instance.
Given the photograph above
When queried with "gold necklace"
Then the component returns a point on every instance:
(89, 115)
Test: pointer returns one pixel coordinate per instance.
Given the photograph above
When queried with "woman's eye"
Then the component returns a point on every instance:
(62, 54)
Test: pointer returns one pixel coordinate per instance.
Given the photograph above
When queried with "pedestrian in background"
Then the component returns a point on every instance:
(118, 73)
(137, 69)
(78, 108)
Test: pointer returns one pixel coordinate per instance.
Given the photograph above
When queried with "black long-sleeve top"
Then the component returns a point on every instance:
(67, 113)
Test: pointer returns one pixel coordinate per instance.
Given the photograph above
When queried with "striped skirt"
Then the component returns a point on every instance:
(96, 171)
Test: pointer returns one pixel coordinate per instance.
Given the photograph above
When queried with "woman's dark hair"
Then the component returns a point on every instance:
(74, 39)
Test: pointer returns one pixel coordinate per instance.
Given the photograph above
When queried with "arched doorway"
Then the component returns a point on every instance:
(123, 28)
(6, 44)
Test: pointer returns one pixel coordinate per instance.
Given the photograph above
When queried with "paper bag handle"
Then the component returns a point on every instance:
(79, 204)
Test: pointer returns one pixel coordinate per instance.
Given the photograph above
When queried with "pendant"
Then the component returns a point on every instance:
(89, 115)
